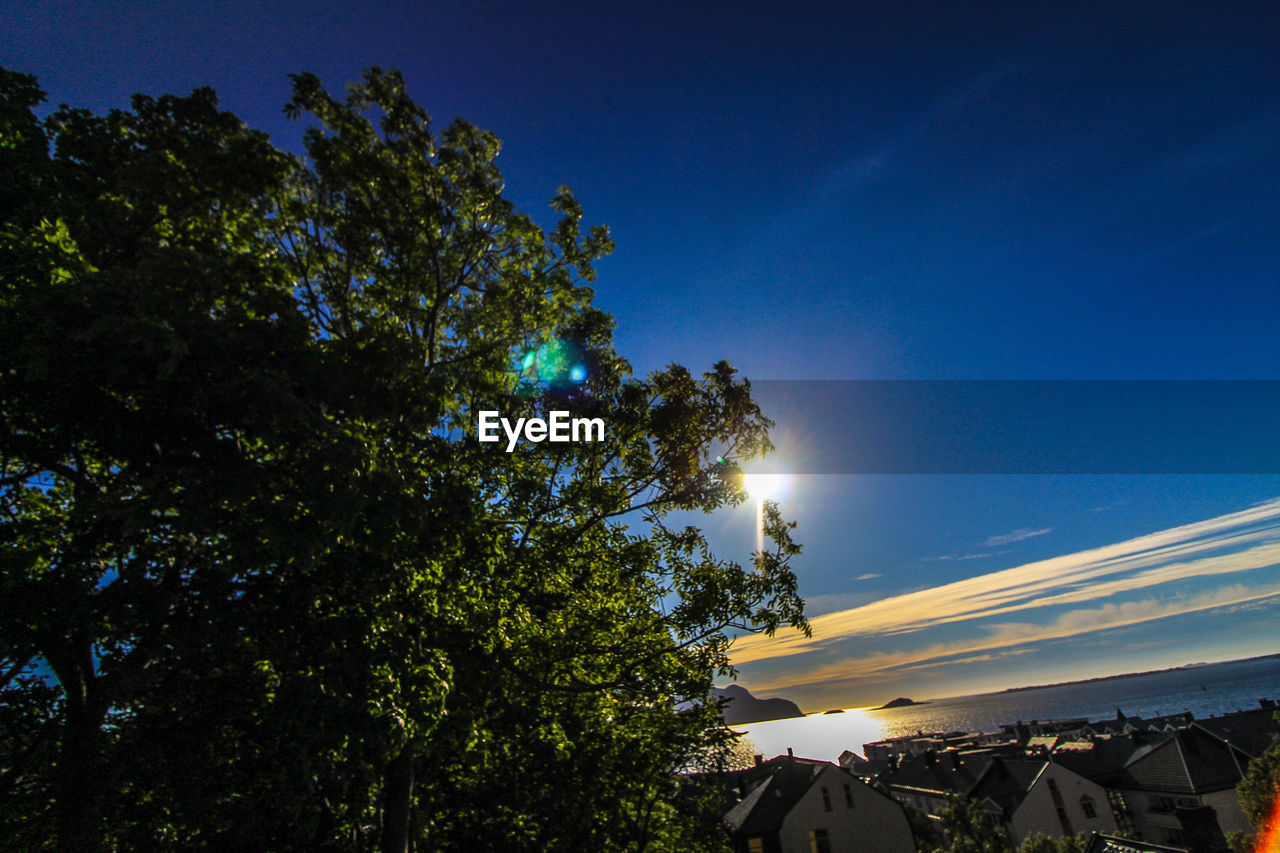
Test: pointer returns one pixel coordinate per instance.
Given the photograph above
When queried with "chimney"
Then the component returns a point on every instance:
(759, 759)
(790, 753)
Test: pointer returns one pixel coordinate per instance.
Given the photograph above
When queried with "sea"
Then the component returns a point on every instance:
(1205, 690)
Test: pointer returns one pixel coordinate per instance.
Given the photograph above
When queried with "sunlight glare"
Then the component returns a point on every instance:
(765, 487)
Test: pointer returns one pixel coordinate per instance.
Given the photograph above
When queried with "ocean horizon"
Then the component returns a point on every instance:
(1204, 690)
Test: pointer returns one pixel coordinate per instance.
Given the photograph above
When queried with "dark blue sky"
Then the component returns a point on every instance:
(854, 191)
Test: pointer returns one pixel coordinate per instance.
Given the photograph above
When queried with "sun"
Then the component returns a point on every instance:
(765, 487)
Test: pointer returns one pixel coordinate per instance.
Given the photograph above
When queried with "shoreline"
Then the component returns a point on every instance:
(1183, 668)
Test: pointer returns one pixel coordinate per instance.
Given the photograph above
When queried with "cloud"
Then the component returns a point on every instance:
(868, 576)
(1010, 639)
(1016, 536)
(864, 167)
(1238, 542)
(819, 604)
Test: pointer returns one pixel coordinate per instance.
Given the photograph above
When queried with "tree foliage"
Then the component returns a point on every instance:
(971, 829)
(927, 834)
(1259, 793)
(262, 588)
(1260, 787)
(1039, 843)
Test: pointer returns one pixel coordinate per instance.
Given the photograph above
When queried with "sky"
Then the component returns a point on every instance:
(871, 191)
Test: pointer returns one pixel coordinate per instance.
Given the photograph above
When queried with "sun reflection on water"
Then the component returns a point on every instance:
(822, 735)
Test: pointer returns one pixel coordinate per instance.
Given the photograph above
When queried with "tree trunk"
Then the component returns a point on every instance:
(76, 793)
(78, 778)
(397, 798)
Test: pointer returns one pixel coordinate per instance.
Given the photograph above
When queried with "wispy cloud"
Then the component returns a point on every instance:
(866, 166)
(1013, 638)
(868, 576)
(1018, 535)
(1239, 542)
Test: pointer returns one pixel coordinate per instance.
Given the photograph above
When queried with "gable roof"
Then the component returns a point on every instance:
(1004, 781)
(1102, 760)
(1252, 731)
(771, 789)
(1007, 781)
(945, 774)
(1191, 761)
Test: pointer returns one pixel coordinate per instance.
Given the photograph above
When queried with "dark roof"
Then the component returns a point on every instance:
(871, 769)
(949, 773)
(1111, 844)
(1007, 781)
(1120, 725)
(1191, 761)
(1103, 762)
(769, 791)
(1002, 780)
(1252, 731)
(1117, 726)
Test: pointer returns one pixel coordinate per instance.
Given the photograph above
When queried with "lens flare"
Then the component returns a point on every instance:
(1269, 833)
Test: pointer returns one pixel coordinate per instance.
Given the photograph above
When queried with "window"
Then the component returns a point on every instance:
(1086, 806)
(826, 800)
(755, 845)
(819, 842)
(1120, 808)
(848, 796)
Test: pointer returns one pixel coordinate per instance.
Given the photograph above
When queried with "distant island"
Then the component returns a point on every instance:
(743, 708)
(900, 702)
(1129, 674)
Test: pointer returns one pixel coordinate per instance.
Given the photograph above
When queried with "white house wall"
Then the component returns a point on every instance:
(874, 823)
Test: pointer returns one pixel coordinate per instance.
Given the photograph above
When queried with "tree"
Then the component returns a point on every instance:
(144, 323)
(1039, 843)
(925, 831)
(252, 543)
(971, 829)
(1259, 792)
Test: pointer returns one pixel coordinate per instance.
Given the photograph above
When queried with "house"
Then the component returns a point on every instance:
(1158, 781)
(928, 781)
(1102, 761)
(1025, 795)
(1186, 770)
(798, 805)
(1123, 725)
(1033, 795)
(1253, 732)
(854, 763)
